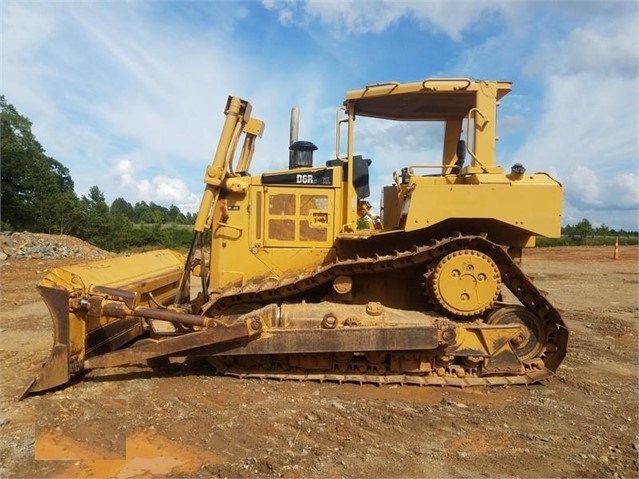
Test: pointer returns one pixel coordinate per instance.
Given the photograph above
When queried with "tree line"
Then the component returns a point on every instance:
(585, 229)
(583, 233)
(37, 195)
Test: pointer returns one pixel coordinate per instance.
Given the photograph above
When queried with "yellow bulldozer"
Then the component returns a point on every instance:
(295, 278)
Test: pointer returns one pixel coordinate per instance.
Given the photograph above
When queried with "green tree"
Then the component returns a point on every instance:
(65, 213)
(173, 214)
(157, 213)
(33, 185)
(123, 207)
(602, 230)
(583, 229)
(141, 212)
(96, 217)
(110, 230)
(568, 230)
(63, 176)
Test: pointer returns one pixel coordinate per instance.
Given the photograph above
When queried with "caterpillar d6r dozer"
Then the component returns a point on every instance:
(299, 281)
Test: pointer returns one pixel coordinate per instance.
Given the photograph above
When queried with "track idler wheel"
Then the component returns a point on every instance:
(465, 282)
(530, 343)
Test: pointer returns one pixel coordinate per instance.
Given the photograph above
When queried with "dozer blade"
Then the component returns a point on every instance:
(90, 306)
(55, 371)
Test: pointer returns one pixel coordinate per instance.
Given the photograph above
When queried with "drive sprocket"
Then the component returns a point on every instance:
(465, 282)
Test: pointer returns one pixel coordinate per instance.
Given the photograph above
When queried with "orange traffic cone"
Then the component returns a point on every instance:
(616, 255)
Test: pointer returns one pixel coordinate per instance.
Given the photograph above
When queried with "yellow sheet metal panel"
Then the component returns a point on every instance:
(135, 272)
(532, 204)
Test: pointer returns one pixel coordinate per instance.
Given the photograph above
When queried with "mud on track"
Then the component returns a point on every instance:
(187, 422)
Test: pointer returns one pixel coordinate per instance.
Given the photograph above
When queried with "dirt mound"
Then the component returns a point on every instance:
(40, 245)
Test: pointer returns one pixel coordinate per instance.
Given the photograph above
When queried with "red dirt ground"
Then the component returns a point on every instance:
(188, 422)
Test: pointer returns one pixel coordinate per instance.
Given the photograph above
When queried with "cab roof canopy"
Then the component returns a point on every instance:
(432, 99)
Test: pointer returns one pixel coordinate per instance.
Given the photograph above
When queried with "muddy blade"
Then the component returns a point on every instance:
(55, 371)
(88, 305)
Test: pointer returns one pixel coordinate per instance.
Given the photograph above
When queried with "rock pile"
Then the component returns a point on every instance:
(40, 245)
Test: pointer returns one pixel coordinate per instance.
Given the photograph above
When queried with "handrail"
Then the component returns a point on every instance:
(338, 123)
(476, 160)
(237, 228)
(467, 80)
(385, 83)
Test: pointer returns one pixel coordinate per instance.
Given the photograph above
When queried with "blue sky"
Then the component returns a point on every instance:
(129, 95)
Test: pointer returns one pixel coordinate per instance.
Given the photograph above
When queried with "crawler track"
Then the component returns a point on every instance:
(445, 372)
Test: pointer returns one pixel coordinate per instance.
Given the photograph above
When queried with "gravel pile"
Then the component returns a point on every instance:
(40, 245)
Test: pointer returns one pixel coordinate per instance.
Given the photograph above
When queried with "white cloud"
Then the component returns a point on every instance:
(162, 189)
(26, 28)
(376, 16)
(627, 188)
(124, 173)
(586, 189)
(608, 49)
(159, 189)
